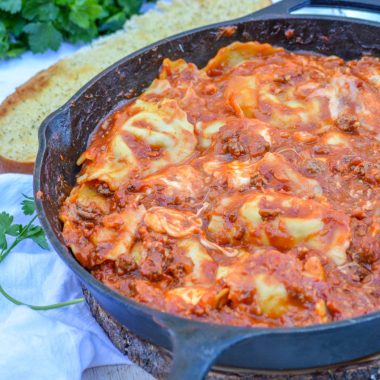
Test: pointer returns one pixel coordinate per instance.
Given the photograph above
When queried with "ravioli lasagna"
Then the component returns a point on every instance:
(242, 193)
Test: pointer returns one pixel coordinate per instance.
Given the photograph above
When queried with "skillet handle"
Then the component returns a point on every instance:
(286, 7)
(364, 5)
(196, 345)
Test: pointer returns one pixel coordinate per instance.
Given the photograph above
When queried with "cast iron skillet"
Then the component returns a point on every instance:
(64, 135)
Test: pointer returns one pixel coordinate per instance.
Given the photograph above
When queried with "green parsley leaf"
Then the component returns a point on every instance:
(4, 47)
(16, 28)
(130, 6)
(43, 36)
(11, 6)
(3, 242)
(37, 234)
(14, 229)
(3, 28)
(28, 205)
(16, 51)
(39, 25)
(39, 10)
(80, 19)
(63, 2)
(84, 12)
(4, 40)
(5, 222)
(113, 23)
(31, 231)
(37, 307)
(20, 232)
(6, 226)
(78, 34)
(40, 239)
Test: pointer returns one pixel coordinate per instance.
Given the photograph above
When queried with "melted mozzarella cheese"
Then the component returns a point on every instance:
(197, 295)
(190, 294)
(162, 126)
(158, 87)
(237, 53)
(301, 231)
(131, 216)
(138, 253)
(237, 174)
(347, 95)
(170, 67)
(276, 169)
(248, 283)
(112, 166)
(271, 295)
(206, 130)
(241, 93)
(172, 222)
(182, 182)
(336, 140)
(284, 222)
(204, 266)
(86, 196)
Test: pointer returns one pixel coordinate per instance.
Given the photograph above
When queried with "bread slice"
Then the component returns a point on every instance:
(23, 111)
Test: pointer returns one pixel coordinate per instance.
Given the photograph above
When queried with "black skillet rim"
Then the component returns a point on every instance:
(85, 277)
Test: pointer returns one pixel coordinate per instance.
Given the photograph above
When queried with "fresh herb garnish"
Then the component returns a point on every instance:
(22, 232)
(28, 206)
(39, 25)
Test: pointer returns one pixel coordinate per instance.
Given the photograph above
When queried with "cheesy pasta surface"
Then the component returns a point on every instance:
(243, 193)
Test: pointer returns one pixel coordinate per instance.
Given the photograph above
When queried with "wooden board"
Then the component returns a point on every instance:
(116, 372)
(156, 360)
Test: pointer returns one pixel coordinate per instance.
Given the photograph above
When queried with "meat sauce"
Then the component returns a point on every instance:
(243, 193)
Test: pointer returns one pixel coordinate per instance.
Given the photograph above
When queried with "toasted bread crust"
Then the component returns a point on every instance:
(23, 93)
(11, 166)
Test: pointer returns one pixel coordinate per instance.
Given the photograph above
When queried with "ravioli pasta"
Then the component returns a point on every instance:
(245, 192)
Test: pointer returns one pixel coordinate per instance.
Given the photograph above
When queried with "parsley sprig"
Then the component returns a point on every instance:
(39, 25)
(22, 232)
